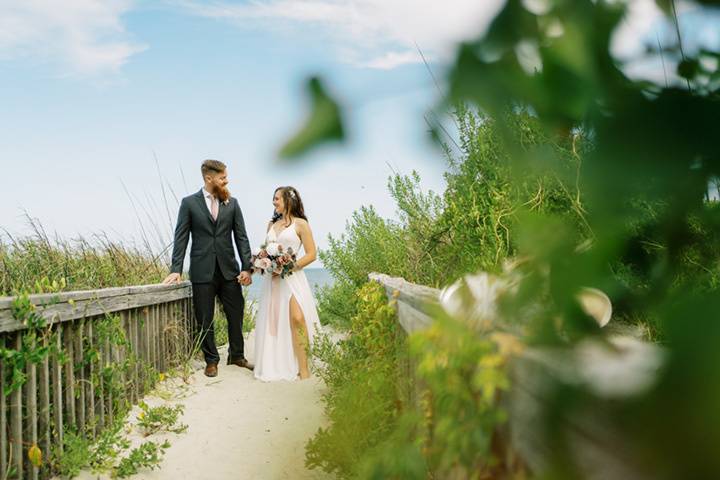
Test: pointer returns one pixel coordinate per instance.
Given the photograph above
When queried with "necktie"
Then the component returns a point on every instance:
(213, 207)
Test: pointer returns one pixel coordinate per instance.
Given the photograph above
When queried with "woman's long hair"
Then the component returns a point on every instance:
(293, 203)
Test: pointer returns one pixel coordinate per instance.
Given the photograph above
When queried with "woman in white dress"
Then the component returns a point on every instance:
(287, 320)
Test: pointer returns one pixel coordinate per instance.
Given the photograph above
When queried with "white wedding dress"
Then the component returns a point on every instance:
(274, 355)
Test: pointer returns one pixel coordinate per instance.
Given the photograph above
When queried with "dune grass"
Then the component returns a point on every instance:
(39, 263)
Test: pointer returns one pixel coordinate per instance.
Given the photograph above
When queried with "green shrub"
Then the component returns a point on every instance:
(370, 243)
(436, 239)
(336, 304)
(147, 455)
(162, 418)
(362, 378)
(448, 431)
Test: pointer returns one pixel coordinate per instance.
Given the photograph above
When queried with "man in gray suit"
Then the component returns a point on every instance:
(214, 218)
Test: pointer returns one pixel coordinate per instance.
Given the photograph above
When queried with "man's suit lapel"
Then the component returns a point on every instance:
(222, 211)
(201, 201)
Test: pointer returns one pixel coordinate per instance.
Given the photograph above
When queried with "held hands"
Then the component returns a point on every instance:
(172, 278)
(244, 278)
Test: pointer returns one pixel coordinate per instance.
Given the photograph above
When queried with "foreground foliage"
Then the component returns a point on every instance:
(584, 177)
(362, 378)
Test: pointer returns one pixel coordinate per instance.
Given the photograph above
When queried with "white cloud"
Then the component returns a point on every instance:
(394, 59)
(79, 36)
(369, 33)
(383, 34)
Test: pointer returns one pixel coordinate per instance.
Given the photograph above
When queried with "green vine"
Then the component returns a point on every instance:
(108, 377)
(36, 342)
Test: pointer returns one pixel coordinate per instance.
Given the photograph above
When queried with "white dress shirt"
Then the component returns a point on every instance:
(208, 200)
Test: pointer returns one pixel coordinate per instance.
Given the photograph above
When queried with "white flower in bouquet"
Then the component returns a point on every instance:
(273, 249)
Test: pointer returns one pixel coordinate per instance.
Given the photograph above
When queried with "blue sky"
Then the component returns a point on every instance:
(196, 87)
(92, 90)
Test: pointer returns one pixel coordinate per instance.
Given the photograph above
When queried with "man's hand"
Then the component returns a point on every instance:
(244, 278)
(172, 278)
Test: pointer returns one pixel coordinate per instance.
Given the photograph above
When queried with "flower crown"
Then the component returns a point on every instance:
(292, 194)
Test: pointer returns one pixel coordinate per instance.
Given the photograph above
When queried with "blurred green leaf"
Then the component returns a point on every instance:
(324, 123)
(575, 72)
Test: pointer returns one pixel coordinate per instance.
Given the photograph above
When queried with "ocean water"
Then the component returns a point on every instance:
(317, 277)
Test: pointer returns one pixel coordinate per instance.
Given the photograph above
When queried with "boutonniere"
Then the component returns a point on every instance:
(226, 202)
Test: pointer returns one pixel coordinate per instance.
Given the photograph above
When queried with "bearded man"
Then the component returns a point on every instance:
(213, 218)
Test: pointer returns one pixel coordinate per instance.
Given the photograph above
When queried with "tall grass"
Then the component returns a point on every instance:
(28, 263)
(39, 263)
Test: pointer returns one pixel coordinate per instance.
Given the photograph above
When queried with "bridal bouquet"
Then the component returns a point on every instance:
(273, 258)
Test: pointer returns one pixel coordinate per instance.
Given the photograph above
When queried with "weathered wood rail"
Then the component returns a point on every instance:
(125, 335)
(611, 371)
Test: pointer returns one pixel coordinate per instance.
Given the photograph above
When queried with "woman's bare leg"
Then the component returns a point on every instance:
(299, 337)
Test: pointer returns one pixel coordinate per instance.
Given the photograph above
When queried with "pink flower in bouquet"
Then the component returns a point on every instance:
(262, 263)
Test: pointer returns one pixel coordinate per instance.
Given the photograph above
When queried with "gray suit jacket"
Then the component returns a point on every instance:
(212, 241)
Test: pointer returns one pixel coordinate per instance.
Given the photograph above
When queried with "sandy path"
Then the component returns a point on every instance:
(239, 428)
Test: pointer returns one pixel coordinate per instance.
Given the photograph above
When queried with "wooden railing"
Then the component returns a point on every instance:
(611, 370)
(126, 335)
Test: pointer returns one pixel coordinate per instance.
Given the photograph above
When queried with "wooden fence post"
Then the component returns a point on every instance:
(61, 394)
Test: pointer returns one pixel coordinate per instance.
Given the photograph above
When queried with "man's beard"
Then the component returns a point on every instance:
(222, 193)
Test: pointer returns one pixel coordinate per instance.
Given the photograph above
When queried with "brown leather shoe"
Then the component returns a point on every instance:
(211, 370)
(241, 362)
